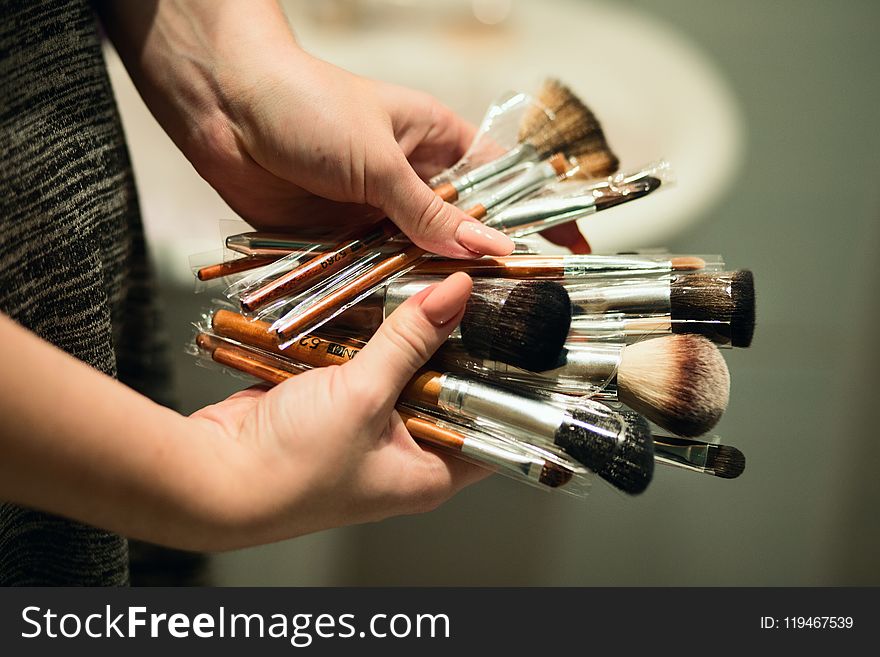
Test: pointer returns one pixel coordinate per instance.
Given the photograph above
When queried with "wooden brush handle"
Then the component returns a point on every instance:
(315, 351)
(319, 267)
(297, 324)
(237, 266)
(312, 350)
(243, 360)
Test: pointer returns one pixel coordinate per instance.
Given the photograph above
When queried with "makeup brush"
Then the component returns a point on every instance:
(256, 243)
(588, 431)
(719, 305)
(314, 314)
(524, 323)
(714, 459)
(680, 382)
(466, 442)
(568, 267)
(619, 452)
(558, 121)
(523, 264)
(221, 269)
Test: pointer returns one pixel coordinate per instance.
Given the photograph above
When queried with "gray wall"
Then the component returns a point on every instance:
(804, 216)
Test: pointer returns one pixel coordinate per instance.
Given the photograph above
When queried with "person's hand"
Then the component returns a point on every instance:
(293, 143)
(326, 448)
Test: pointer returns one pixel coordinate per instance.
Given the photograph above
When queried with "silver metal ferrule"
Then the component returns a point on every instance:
(403, 288)
(516, 155)
(521, 413)
(588, 265)
(686, 453)
(531, 180)
(528, 217)
(498, 456)
(646, 296)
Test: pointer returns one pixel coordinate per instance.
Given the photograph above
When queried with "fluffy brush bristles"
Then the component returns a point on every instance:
(720, 306)
(524, 323)
(680, 382)
(618, 450)
(725, 461)
(561, 122)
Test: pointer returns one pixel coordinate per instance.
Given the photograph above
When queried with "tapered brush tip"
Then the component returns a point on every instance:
(726, 462)
(524, 324)
(559, 121)
(620, 451)
(681, 382)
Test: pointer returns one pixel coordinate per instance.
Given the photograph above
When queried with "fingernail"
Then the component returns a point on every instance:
(481, 239)
(446, 299)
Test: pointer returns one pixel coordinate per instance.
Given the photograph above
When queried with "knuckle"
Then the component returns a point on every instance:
(431, 218)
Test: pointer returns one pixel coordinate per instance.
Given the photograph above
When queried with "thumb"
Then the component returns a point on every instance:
(404, 343)
(427, 220)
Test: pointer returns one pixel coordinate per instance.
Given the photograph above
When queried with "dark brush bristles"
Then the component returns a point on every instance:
(554, 475)
(680, 382)
(523, 323)
(561, 122)
(619, 450)
(725, 461)
(720, 306)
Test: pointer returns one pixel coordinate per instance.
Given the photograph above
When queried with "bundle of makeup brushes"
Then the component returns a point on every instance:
(563, 367)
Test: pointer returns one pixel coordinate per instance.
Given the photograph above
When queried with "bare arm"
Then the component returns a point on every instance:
(321, 450)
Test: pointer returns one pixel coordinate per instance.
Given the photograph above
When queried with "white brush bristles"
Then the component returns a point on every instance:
(680, 382)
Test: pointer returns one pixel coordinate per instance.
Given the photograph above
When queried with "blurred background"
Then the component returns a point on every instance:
(766, 112)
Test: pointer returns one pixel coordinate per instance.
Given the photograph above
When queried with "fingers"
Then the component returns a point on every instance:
(404, 342)
(427, 220)
(438, 477)
(569, 236)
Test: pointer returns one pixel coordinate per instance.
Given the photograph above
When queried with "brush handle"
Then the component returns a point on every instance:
(237, 266)
(297, 323)
(313, 350)
(319, 267)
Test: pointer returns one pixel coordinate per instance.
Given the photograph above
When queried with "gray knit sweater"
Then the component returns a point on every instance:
(73, 267)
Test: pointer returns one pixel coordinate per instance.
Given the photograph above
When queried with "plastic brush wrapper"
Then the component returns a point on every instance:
(562, 202)
(617, 449)
(709, 455)
(717, 305)
(546, 469)
(586, 370)
(246, 252)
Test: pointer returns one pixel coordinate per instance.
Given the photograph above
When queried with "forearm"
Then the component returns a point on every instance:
(193, 61)
(77, 443)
